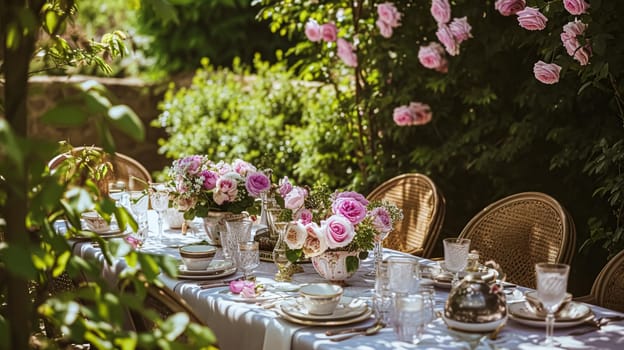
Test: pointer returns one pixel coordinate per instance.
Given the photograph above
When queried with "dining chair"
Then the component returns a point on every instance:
(521, 230)
(125, 168)
(608, 288)
(423, 208)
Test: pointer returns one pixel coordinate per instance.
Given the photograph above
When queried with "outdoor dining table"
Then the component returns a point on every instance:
(243, 324)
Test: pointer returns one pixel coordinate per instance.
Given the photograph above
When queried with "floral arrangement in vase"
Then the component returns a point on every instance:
(326, 221)
(202, 186)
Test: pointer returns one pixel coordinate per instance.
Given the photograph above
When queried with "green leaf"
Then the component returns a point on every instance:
(51, 22)
(293, 254)
(353, 263)
(124, 119)
(175, 325)
(18, 261)
(65, 114)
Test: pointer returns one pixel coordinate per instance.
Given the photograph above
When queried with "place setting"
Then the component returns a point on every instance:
(198, 263)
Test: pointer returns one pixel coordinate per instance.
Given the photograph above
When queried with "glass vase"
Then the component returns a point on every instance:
(285, 268)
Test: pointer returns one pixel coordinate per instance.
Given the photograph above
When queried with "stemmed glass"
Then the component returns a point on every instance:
(552, 284)
(248, 257)
(377, 254)
(159, 198)
(456, 256)
(139, 203)
(279, 226)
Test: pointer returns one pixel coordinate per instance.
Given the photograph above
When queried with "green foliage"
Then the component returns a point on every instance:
(218, 29)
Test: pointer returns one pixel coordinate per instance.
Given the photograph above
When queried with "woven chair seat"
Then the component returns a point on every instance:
(521, 230)
(423, 213)
(608, 288)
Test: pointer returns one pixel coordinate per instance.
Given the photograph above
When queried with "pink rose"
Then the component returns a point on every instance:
(421, 113)
(582, 55)
(509, 7)
(338, 231)
(304, 215)
(353, 195)
(210, 179)
(295, 198)
(242, 167)
(460, 29)
(284, 186)
(441, 11)
(223, 167)
(431, 56)
(389, 14)
(133, 241)
(226, 191)
(570, 42)
(447, 39)
(237, 286)
(575, 7)
(381, 219)
(192, 164)
(402, 116)
(350, 208)
(256, 183)
(313, 31)
(384, 28)
(547, 73)
(346, 53)
(296, 235)
(328, 32)
(531, 19)
(316, 242)
(248, 291)
(575, 28)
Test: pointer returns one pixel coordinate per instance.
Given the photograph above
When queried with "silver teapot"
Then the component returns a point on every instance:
(476, 299)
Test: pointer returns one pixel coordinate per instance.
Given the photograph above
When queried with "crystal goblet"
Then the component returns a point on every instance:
(552, 284)
(456, 256)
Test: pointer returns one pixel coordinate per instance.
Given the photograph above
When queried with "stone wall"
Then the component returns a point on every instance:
(143, 98)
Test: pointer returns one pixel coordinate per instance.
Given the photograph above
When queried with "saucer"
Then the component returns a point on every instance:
(215, 267)
(263, 296)
(572, 315)
(347, 308)
(326, 323)
(474, 327)
(205, 275)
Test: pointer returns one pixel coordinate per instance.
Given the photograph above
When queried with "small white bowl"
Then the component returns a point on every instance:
(95, 222)
(197, 257)
(321, 298)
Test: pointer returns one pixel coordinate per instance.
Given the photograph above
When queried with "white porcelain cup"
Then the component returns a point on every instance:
(321, 298)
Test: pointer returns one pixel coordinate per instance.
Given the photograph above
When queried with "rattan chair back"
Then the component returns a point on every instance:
(423, 208)
(125, 169)
(521, 230)
(608, 288)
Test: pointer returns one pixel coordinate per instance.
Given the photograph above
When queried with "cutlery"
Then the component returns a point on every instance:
(596, 324)
(212, 284)
(346, 330)
(374, 329)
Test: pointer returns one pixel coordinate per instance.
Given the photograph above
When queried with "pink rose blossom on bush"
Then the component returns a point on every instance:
(350, 208)
(445, 36)
(441, 11)
(313, 31)
(210, 179)
(381, 220)
(256, 183)
(346, 53)
(328, 32)
(509, 7)
(402, 116)
(460, 29)
(389, 14)
(531, 19)
(338, 231)
(384, 28)
(570, 42)
(582, 55)
(575, 28)
(575, 7)
(432, 56)
(547, 73)
(295, 198)
(421, 112)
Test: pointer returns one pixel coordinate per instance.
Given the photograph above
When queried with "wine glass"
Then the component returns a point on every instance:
(139, 203)
(552, 284)
(248, 257)
(456, 256)
(159, 198)
(377, 255)
(279, 226)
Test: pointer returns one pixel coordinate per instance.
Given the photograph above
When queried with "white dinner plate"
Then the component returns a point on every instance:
(347, 308)
(574, 315)
(215, 267)
(365, 315)
(474, 327)
(206, 276)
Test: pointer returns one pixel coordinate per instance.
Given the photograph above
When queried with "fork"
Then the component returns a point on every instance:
(596, 324)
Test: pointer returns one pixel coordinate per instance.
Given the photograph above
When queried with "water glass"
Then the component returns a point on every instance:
(237, 230)
(248, 257)
(456, 256)
(159, 198)
(402, 274)
(409, 318)
(139, 203)
(552, 284)
(383, 306)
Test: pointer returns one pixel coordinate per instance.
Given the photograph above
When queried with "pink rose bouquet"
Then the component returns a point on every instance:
(326, 220)
(203, 185)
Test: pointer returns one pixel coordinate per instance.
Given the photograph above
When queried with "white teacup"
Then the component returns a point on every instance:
(95, 222)
(197, 257)
(321, 298)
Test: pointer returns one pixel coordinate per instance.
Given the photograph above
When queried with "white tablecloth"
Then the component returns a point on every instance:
(241, 325)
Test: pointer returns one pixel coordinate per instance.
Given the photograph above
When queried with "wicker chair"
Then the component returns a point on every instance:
(423, 213)
(125, 168)
(521, 230)
(608, 288)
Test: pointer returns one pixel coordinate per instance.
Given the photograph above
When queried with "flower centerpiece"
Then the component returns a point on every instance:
(334, 227)
(203, 186)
